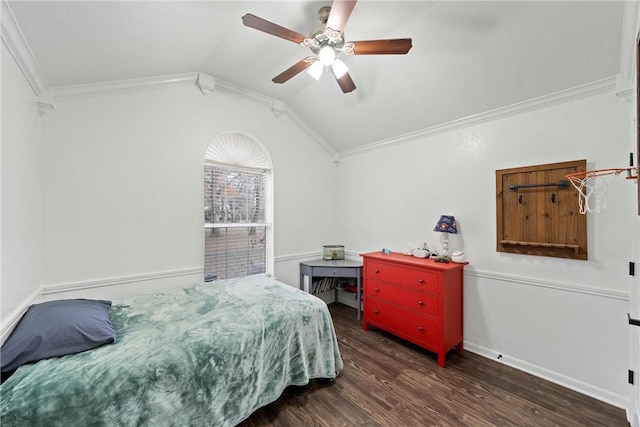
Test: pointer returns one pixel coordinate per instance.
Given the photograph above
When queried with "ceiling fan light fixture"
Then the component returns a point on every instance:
(339, 68)
(327, 55)
(315, 70)
(327, 41)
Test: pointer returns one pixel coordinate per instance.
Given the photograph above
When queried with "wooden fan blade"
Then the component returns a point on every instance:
(260, 24)
(340, 13)
(382, 47)
(294, 69)
(346, 83)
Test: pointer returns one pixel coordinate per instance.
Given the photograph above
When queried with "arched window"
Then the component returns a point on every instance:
(238, 208)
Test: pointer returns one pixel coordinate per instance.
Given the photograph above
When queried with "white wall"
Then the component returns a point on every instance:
(123, 187)
(21, 212)
(109, 201)
(122, 203)
(561, 319)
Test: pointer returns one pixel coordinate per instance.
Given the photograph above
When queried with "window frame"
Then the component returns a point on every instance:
(239, 143)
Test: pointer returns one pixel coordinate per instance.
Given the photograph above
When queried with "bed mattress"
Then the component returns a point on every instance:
(208, 355)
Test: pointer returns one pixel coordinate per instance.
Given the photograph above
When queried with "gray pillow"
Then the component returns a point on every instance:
(57, 328)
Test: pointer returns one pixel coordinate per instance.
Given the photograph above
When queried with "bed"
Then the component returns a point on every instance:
(208, 355)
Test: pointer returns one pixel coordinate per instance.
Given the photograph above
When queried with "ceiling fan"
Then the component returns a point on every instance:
(326, 41)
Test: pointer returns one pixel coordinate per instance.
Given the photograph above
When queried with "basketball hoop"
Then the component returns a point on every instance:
(592, 186)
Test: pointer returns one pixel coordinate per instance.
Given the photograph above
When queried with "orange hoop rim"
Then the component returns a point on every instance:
(632, 173)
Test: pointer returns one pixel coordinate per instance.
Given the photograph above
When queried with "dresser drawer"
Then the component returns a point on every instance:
(414, 327)
(334, 271)
(408, 299)
(420, 280)
(416, 299)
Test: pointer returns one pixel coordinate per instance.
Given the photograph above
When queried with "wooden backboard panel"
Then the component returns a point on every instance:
(537, 211)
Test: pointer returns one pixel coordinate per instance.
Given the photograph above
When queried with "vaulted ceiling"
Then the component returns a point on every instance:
(467, 57)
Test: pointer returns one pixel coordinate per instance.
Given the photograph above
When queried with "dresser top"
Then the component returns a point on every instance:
(411, 260)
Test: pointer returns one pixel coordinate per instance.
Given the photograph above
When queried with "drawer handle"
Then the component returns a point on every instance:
(420, 302)
(420, 281)
(376, 271)
(377, 290)
(376, 311)
(420, 328)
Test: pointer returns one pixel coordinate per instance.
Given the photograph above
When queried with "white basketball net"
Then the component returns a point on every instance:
(592, 187)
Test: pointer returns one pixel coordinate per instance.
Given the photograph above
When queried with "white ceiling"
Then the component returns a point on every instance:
(467, 57)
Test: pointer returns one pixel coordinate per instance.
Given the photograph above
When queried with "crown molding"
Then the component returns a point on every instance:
(91, 90)
(311, 132)
(244, 93)
(278, 108)
(205, 83)
(15, 42)
(45, 102)
(607, 85)
(625, 90)
(44, 107)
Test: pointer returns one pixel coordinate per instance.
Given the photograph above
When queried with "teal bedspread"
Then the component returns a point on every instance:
(209, 355)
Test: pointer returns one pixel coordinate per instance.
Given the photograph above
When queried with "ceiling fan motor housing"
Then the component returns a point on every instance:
(327, 43)
(322, 36)
(323, 14)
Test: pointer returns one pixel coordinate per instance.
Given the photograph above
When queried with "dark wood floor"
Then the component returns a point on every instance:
(388, 382)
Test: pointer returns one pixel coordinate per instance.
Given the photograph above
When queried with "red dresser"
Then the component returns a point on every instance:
(417, 299)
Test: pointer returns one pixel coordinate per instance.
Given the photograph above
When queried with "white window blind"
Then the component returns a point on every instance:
(235, 221)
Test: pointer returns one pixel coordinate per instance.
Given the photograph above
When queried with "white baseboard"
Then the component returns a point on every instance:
(554, 377)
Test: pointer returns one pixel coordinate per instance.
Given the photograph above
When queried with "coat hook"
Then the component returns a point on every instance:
(520, 199)
(553, 198)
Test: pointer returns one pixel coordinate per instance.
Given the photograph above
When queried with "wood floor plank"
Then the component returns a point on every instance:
(388, 382)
